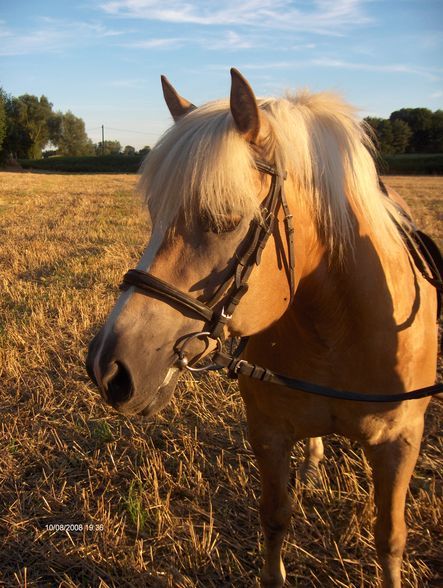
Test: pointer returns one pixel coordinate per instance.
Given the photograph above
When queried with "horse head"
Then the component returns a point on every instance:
(205, 193)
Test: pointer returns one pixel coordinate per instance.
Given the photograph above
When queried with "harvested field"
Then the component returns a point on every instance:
(170, 502)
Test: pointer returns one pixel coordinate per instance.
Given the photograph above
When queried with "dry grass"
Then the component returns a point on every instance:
(424, 194)
(171, 502)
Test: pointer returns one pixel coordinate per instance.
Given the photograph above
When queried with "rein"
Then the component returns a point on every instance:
(236, 287)
(237, 366)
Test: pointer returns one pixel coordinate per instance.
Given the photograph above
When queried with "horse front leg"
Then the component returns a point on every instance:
(273, 457)
(392, 465)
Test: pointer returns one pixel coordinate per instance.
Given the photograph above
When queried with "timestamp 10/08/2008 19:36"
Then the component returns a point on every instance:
(70, 527)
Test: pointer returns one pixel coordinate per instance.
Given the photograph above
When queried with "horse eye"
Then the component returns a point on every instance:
(224, 224)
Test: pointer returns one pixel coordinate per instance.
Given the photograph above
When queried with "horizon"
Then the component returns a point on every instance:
(102, 59)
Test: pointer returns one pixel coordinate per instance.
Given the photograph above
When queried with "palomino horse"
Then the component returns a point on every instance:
(337, 302)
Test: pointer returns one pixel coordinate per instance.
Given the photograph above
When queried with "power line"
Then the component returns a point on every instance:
(129, 131)
(123, 131)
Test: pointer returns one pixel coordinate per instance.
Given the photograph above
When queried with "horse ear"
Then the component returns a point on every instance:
(244, 107)
(178, 106)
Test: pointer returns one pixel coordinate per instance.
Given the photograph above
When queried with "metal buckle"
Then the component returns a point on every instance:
(224, 315)
(237, 366)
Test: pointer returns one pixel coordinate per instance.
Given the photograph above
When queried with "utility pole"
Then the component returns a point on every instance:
(103, 139)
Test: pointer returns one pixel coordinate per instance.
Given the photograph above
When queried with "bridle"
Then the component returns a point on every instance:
(236, 285)
(233, 290)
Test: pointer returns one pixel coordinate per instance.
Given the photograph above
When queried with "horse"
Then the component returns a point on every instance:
(328, 293)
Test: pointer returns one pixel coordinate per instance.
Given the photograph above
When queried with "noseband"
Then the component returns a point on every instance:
(236, 285)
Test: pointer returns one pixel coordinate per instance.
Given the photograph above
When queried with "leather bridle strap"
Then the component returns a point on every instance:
(237, 367)
(153, 286)
(255, 241)
(236, 286)
(259, 233)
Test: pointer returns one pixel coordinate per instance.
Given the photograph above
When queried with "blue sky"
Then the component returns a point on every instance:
(102, 59)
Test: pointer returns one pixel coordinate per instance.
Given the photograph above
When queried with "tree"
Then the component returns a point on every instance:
(2, 118)
(55, 123)
(401, 135)
(146, 149)
(109, 148)
(17, 141)
(31, 114)
(420, 123)
(383, 132)
(392, 136)
(31, 124)
(129, 150)
(69, 135)
(437, 132)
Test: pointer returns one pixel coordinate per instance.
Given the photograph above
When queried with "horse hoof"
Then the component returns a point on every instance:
(278, 580)
(310, 476)
(271, 583)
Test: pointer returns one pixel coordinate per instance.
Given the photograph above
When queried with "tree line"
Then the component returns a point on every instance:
(29, 126)
(409, 130)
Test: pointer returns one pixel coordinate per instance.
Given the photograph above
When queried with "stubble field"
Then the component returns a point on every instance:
(170, 502)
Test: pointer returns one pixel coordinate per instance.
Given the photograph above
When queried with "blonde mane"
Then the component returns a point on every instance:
(202, 165)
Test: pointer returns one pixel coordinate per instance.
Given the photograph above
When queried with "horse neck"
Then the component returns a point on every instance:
(339, 301)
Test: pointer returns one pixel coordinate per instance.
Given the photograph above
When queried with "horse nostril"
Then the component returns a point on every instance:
(119, 386)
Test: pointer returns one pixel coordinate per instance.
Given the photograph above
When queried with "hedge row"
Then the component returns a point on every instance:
(100, 164)
(414, 164)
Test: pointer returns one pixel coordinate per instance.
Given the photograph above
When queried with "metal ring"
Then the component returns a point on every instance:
(181, 354)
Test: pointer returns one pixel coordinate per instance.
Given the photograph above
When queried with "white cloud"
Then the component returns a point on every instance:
(230, 40)
(127, 83)
(3, 30)
(227, 40)
(275, 65)
(165, 43)
(427, 72)
(430, 73)
(53, 35)
(328, 17)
